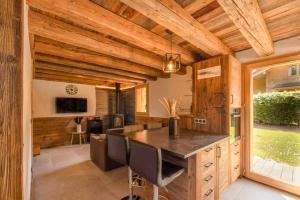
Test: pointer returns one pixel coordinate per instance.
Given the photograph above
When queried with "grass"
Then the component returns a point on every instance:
(281, 146)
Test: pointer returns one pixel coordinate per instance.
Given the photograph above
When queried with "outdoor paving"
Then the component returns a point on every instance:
(275, 170)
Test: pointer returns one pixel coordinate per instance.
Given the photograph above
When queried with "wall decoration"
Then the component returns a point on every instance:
(209, 72)
(71, 89)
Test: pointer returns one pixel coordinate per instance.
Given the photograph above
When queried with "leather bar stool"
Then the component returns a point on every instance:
(146, 161)
(118, 150)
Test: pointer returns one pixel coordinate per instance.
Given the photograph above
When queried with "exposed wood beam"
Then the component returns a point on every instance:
(78, 54)
(247, 16)
(83, 65)
(72, 70)
(48, 27)
(95, 17)
(172, 16)
(197, 5)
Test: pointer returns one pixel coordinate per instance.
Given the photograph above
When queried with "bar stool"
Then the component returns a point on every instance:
(118, 150)
(146, 161)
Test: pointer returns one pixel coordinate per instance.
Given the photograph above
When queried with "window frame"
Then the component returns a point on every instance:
(147, 100)
(297, 67)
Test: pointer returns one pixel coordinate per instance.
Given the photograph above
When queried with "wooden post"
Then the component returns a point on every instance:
(11, 99)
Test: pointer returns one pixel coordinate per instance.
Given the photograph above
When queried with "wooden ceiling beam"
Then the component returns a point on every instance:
(172, 16)
(197, 5)
(48, 27)
(94, 17)
(86, 66)
(78, 54)
(72, 70)
(247, 16)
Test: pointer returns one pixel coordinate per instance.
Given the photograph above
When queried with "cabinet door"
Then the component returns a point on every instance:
(235, 79)
(223, 166)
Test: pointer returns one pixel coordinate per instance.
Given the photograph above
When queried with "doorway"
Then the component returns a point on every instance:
(272, 121)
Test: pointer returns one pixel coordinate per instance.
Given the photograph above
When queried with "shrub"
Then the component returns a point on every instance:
(277, 108)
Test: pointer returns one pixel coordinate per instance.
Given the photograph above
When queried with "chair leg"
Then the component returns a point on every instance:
(130, 182)
(155, 192)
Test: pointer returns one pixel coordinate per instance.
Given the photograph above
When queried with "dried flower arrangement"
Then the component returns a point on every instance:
(170, 105)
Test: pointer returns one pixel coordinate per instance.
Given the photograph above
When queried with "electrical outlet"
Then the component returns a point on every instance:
(200, 121)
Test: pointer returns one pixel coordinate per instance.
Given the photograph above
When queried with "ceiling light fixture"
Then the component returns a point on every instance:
(172, 62)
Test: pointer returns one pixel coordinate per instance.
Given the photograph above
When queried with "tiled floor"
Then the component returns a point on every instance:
(66, 173)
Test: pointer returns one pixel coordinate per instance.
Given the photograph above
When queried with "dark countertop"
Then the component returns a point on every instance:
(186, 144)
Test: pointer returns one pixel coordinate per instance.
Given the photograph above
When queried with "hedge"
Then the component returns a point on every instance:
(277, 108)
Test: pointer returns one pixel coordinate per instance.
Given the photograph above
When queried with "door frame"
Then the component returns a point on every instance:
(247, 89)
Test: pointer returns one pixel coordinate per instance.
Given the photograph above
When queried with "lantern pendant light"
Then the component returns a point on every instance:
(172, 61)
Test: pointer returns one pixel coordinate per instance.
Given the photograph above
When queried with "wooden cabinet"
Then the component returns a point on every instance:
(217, 88)
(223, 166)
(235, 160)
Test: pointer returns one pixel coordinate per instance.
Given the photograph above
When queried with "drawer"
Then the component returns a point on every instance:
(208, 167)
(236, 146)
(235, 157)
(235, 172)
(208, 155)
(208, 194)
(208, 179)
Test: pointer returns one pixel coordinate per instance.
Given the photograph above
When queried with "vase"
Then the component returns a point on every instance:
(78, 128)
(173, 126)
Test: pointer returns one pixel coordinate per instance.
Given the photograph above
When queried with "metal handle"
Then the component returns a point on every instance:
(208, 149)
(208, 165)
(209, 192)
(236, 144)
(236, 153)
(237, 167)
(208, 178)
(231, 101)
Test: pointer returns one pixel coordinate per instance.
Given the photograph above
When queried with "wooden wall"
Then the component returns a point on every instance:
(54, 131)
(11, 100)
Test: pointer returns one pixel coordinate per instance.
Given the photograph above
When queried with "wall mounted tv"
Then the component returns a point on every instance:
(71, 105)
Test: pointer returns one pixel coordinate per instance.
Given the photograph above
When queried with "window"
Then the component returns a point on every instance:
(141, 99)
(294, 70)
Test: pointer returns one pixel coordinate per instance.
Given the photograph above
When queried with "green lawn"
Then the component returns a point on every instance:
(281, 146)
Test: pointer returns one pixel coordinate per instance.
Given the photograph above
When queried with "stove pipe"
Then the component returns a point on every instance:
(118, 93)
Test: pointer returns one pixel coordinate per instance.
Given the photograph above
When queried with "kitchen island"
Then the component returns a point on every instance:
(197, 152)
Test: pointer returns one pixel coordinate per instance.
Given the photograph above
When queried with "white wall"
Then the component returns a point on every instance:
(280, 47)
(27, 133)
(45, 93)
(178, 86)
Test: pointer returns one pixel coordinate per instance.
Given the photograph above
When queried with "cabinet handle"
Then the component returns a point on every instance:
(231, 101)
(208, 178)
(208, 149)
(209, 192)
(236, 153)
(236, 144)
(208, 165)
(236, 167)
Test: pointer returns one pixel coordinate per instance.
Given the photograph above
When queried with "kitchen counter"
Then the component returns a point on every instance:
(187, 143)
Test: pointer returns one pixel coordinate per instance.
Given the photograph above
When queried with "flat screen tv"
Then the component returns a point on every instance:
(71, 105)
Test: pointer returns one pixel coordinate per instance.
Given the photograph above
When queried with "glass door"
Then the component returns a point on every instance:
(274, 133)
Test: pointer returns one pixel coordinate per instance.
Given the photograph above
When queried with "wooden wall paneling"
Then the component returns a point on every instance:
(94, 17)
(11, 144)
(102, 102)
(49, 27)
(77, 54)
(87, 66)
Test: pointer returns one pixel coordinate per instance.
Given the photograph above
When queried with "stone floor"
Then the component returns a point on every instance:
(66, 173)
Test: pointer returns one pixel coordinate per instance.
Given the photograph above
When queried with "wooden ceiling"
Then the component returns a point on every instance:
(101, 42)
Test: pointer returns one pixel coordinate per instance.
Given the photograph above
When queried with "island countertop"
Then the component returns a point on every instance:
(187, 143)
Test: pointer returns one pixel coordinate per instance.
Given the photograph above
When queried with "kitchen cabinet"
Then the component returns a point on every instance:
(235, 160)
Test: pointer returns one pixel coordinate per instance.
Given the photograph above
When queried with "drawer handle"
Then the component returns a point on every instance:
(236, 153)
(236, 167)
(208, 178)
(209, 192)
(208, 165)
(208, 149)
(236, 144)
